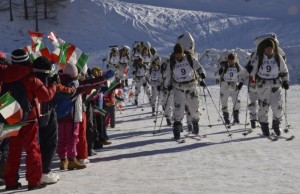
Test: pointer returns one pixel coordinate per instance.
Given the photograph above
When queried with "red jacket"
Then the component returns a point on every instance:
(35, 89)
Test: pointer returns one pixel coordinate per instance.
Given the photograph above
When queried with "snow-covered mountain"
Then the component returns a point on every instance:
(94, 25)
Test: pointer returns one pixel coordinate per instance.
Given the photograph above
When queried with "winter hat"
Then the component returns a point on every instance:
(178, 48)
(42, 65)
(21, 57)
(268, 43)
(70, 70)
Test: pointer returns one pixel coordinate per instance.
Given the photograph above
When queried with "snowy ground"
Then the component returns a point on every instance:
(138, 162)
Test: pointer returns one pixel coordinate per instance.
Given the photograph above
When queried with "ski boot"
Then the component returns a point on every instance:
(265, 129)
(275, 127)
(136, 102)
(226, 118)
(126, 82)
(236, 116)
(195, 127)
(169, 123)
(253, 124)
(177, 127)
(153, 111)
(190, 128)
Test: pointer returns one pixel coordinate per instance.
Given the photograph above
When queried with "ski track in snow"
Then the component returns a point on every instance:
(138, 162)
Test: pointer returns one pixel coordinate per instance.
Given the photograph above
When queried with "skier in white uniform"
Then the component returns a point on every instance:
(124, 64)
(231, 81)
(183, 75)
(140, 74)
(146, 54)
(155, 79)
(271, 73)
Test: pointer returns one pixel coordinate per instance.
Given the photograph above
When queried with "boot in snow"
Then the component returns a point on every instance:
(226, 118)
(275, 127)
(253, 124)
(265, 129)
(177, 128)
(169, 123)
(195, 127)
(135, 102)
(153, 111)
(190, 128)
(126, 82)
(74, 164)
(236, 116)
(63, 164)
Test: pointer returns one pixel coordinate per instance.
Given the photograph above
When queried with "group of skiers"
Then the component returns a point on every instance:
(64, 106)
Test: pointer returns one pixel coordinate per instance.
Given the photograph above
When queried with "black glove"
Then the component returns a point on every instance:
(221, 71)
(285, 85)
(249, 68)
(133, 73)
(170, 87)
(145, 84)
(203, 84)
(239, 87)
(202, 75)
(54, 79)
(158, 88)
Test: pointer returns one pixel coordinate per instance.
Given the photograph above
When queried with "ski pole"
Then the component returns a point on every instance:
(229, 134)
(209, 125)
(157, 107)
(247, 106)
(286, 130)
(164, 111)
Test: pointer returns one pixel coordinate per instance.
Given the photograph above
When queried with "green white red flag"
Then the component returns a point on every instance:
(10, 109)
(36, 40)
(99, 111)
(10, 130)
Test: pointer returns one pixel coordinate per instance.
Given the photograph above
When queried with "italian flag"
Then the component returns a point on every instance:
(69, 53)
(99, 111)
(10, 130)
(36, 40)
(10, 109)
(55, 40)
(43, 52)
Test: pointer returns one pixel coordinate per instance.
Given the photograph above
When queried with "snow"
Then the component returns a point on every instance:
(137, 161)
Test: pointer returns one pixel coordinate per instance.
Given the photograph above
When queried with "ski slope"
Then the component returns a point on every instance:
(138, 162)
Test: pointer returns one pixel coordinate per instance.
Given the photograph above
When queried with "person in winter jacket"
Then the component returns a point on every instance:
(183, 75)
(48, 126)
(124, 64)
(68, 125)
(271, 73)
(140, 79)
(21, 69)
(231, 82)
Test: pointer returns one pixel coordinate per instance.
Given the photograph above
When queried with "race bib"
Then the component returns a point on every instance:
(269, 69)
(183, 71)
(155, 75)
(114, 60)
(231, 75)
(140, 72)
(147, 59)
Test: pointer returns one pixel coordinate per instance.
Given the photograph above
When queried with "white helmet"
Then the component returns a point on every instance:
(125, 47)
(136, 44)
(261, 38)
(187, 42)
(147, 44)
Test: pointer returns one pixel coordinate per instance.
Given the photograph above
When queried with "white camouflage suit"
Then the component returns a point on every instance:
(269, 77)
(140, 79)
(124, 66)
(167, 102)
(184, 79)
(155, 79)
(228, 85)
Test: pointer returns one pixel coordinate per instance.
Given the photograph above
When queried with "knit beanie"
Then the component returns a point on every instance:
(42, 65)
(70, 70)
(178, 48)
(21, 57)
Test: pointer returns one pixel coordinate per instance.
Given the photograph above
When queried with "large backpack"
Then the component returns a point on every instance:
(17, 91)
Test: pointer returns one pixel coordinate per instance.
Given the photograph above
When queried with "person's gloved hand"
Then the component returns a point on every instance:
(170, 87)
(54, 79)
(285, 85)
(158, 88)
(240, 85)
(221, 71)
(145, 84)
(202, 76)
(249, 68)
(202, 84)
